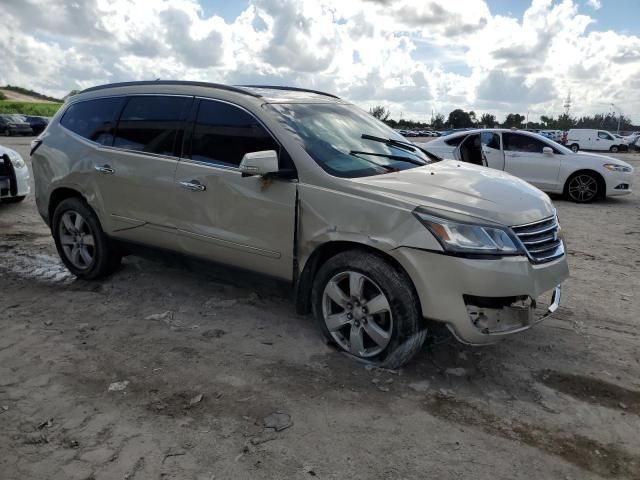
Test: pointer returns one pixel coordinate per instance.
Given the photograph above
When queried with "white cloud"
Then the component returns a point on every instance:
(595, 4)
(414, 57)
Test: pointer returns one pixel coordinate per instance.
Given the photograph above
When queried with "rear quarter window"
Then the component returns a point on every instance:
(93, 119)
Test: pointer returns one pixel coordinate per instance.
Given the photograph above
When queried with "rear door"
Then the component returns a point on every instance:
(135, 176)
(247, 222)
(524, 158)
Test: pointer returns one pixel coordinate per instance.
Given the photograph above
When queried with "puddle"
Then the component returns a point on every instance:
(592, 390)
(607, 460)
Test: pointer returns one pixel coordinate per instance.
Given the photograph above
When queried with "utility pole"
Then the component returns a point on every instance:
(619, 116)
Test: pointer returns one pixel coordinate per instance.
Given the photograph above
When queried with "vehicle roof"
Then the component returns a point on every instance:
(480, 130)
(266, 93)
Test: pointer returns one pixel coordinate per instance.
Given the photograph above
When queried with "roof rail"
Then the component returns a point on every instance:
(293, 89)
(173, 82)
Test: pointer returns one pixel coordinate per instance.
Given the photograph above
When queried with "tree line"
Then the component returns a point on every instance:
(459, 118)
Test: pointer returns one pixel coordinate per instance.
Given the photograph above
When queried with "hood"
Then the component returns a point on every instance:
(604, 159)
(461, 188)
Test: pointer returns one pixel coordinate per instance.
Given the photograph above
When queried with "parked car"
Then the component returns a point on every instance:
(592, 139)
(581, 177)
(555, 135)
(37, 123)
(13, 124)
(372, 233)
(635, 145)
(14, 176)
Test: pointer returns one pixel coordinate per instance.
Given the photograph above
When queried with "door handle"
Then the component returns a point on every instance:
(106, 169)
(194, 186)
(514, 155)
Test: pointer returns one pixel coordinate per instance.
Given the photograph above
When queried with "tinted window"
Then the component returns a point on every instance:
(93, 119)
(454, 142)
(514, 142)
(223, 133)
(152, 124)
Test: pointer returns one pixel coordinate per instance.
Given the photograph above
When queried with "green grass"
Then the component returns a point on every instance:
(28, 108)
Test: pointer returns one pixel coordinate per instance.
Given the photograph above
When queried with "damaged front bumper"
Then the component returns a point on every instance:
(484, 300)
(504, 316)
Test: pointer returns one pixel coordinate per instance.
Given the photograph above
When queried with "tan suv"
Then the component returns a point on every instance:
(374, 234)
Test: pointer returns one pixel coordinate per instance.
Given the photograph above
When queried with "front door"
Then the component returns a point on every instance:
(524, 158)
(247, 222)
(492, 153)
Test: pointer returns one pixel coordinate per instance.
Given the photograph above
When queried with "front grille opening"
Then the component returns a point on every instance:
(540, 239)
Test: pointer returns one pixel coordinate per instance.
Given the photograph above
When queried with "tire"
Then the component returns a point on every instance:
(89, 260)
(388, 338)
(614, 149)
(583, 187)
(575, 147)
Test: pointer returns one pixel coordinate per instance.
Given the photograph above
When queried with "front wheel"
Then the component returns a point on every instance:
(368, 308)
(82, 245)
(614, 149)
(583, 187)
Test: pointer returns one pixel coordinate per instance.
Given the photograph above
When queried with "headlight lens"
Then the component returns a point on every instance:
(616, 168)
(17, 161)
(469, 238)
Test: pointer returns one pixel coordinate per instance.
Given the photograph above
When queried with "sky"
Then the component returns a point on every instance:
(416, 57)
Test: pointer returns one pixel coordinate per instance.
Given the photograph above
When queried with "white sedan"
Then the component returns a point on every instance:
(14, 176)
(581, 177)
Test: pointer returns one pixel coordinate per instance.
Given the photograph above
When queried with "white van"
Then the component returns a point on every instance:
(592, 139)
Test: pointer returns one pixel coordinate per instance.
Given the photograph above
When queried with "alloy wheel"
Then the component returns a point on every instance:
(357, 314)
(77, 240)
(583, 188)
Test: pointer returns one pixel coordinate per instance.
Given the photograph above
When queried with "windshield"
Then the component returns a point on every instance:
(348, 142)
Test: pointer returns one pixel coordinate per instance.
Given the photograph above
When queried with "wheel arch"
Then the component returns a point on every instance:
(325, 251)
(601, 181)
(57, 196)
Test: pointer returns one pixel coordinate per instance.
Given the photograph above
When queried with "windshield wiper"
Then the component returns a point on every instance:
(390, 141)
(357, 154)
(397, 158)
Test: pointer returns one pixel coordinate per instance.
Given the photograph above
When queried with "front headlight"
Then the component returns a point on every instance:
(17, 161)
(616, 168)
(463, 237)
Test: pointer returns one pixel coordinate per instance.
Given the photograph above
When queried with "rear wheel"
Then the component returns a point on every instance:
(575, 147)
(368, 308)
(583, 187)
(82, 245)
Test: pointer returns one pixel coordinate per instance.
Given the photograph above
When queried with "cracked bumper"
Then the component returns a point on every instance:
(482, 301)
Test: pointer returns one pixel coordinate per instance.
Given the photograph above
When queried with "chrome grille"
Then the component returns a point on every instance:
(540, 239)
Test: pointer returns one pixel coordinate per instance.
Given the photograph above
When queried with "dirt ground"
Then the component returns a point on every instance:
(212, 359)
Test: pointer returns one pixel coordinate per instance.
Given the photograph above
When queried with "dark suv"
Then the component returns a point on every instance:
(13, 124)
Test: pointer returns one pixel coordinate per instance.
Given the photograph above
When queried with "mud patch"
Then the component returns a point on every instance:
(592, 390)
(607, 460)
(178, 404)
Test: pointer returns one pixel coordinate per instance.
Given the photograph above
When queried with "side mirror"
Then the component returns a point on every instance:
(547, 150)
(259, 163)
